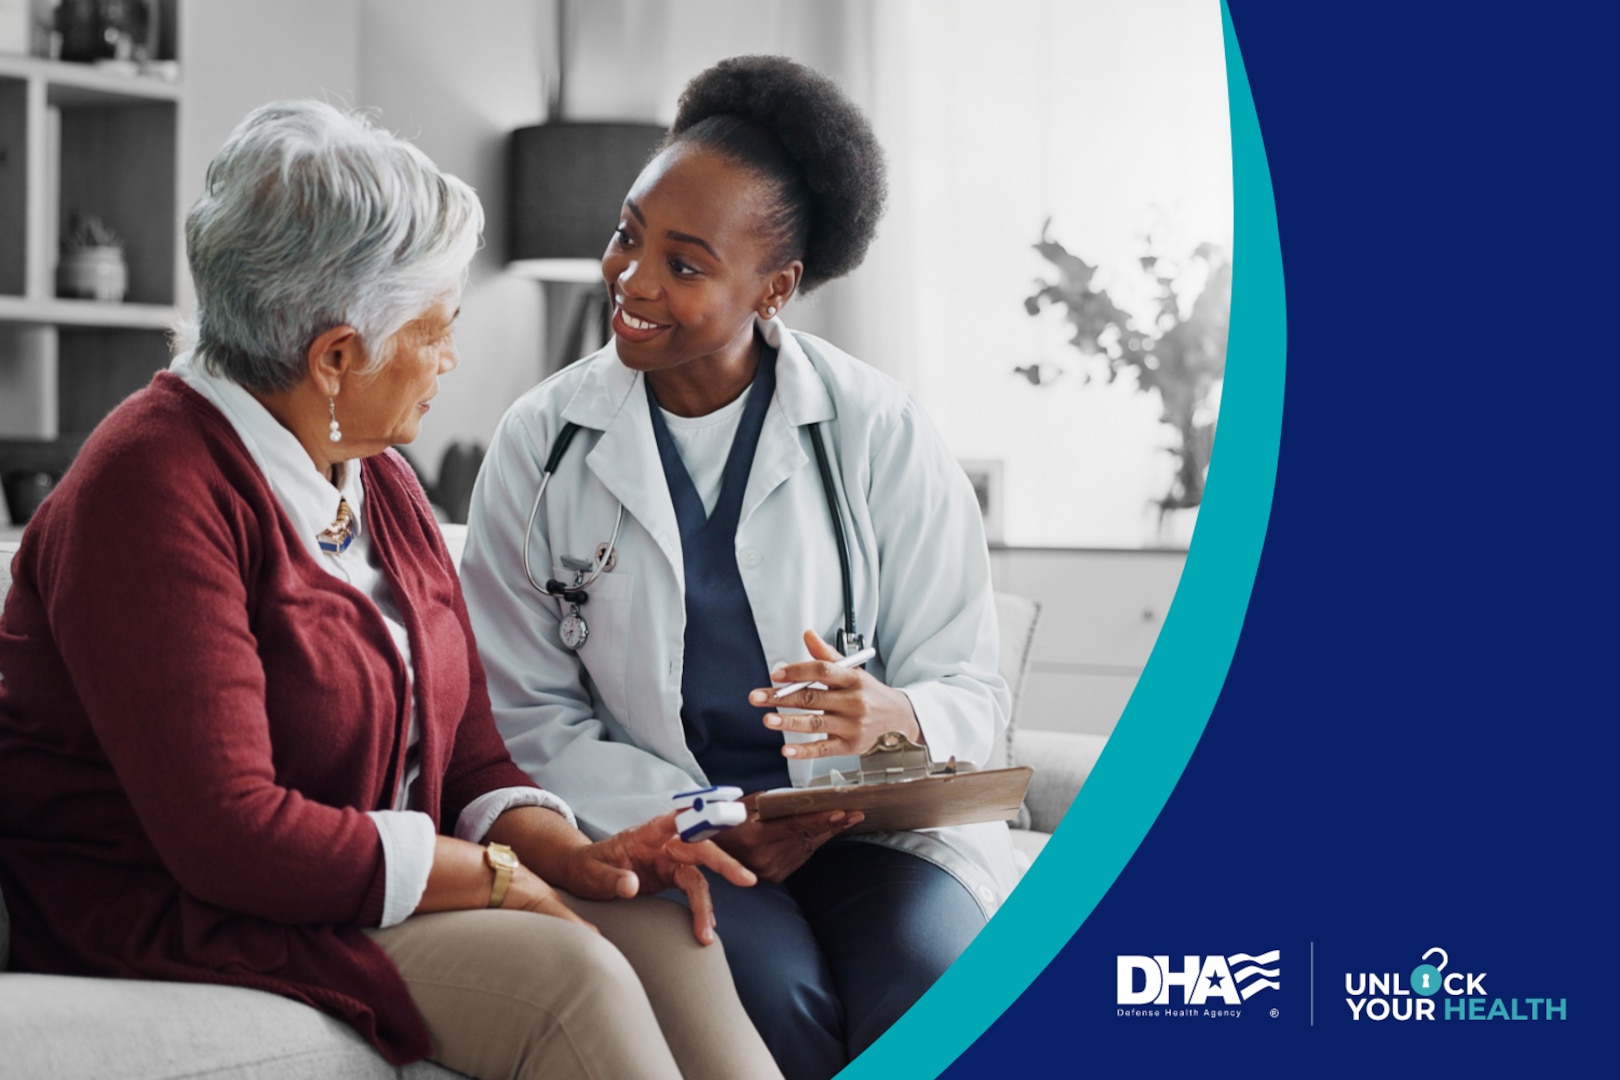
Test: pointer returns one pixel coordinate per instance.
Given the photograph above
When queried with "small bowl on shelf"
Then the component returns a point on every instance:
(94, 273)
(92, 265)
(25, 489)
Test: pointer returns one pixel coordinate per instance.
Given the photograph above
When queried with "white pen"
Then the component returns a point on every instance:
(855, 659)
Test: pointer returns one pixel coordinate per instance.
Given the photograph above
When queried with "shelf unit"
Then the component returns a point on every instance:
(80, 139)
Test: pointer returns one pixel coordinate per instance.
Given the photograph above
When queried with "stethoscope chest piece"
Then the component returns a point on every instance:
(574, 629)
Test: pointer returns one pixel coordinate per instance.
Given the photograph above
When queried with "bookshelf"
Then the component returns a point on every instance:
(82, 139)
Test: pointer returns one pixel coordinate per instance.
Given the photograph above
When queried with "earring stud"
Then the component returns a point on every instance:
(770, 312)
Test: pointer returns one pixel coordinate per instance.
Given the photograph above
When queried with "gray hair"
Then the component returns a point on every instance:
(313, 217)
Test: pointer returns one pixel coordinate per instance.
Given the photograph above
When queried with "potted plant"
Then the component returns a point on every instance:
(92, 266)
(1180, 353)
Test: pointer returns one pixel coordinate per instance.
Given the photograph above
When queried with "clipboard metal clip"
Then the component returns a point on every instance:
(894, 759)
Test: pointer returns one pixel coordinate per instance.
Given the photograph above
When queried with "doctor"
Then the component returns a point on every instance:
(684, 558)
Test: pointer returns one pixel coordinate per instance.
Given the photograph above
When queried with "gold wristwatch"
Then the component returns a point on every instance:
(504, 862)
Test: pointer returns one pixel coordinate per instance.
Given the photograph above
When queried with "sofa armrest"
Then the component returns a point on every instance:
(1062, 761)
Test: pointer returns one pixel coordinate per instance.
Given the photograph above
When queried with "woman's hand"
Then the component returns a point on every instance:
(774, 849)
(529, 892)
(650, 858)
(853, 711)
(461, 880)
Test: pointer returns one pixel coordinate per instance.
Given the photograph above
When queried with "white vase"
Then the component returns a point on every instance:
(93, 273)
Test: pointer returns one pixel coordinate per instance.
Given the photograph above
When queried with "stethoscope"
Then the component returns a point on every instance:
(575, 630)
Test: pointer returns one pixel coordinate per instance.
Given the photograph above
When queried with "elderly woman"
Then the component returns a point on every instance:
(244, 734)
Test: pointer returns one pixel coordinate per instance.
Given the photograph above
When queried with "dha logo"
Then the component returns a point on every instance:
(1382, 996)
(1233, 979)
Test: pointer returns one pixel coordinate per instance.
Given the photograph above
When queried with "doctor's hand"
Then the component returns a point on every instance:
(774, 849)
(650, 858)
(853, 711)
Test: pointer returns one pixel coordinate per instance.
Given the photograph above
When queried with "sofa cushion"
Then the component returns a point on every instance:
(1027, 846)
(1017, 618)
(55, 1025)
(1063, 761)
(8, 548)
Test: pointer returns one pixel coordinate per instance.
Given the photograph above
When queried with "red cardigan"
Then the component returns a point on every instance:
(194, 718)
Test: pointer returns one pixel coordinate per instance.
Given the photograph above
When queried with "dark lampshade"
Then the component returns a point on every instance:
(565, 184)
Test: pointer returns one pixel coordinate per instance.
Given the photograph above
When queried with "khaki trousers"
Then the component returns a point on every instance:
(519, 995)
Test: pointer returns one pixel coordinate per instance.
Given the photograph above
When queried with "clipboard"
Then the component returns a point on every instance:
(898, 787)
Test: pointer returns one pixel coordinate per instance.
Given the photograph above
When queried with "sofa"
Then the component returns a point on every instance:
(54, 1026)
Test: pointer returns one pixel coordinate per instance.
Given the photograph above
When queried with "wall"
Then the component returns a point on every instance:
(456, 78)
(630, 59)
(238, 55)
(1100, 615)
(453, 78)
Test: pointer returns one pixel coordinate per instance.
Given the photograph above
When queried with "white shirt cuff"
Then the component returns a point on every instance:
(408, 839)
(481, 813)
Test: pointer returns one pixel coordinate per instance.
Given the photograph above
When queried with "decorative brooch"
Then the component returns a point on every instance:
(338, 535)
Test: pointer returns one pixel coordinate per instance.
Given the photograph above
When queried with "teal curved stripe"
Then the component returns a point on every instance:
(1173, 700)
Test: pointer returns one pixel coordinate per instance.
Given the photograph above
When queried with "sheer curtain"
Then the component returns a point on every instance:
(1109, 118)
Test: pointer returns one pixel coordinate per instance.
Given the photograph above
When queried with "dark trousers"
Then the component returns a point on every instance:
(827, 960)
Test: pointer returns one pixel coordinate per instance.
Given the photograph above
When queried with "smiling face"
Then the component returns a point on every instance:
(386, 409)
(688, 269)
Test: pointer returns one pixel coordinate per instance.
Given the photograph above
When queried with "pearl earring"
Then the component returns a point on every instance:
(333, 431)
(770, 312)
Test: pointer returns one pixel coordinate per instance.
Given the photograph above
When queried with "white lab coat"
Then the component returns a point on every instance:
(602, 727)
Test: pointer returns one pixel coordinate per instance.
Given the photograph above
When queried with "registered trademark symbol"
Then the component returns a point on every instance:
(1274, 1014)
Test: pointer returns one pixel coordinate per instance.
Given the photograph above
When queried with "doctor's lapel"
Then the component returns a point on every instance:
(625, 459)
(801, 398)
(777, 457)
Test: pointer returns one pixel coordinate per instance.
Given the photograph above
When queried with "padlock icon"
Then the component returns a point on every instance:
(1426, 977)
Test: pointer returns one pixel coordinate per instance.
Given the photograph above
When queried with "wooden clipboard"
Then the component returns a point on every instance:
(899, 788)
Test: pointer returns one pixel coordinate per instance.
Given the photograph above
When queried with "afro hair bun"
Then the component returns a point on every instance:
(820, 150)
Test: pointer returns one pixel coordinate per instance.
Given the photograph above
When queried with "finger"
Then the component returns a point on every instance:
(819, 648)
(828, 718)
(549, 903)
(806, 839)
(787, 829)
(820, 668)
(831, 746)
(841, 695)
(660, 828)
(710, 855)
(809, 840)
(603, 880)
(598, 870)
(629, 844)
(692, 882)
(822, 672)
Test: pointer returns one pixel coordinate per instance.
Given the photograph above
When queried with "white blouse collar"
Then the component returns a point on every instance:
(307, 497)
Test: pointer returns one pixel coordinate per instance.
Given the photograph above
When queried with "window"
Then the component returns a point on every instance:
(1105, 124)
